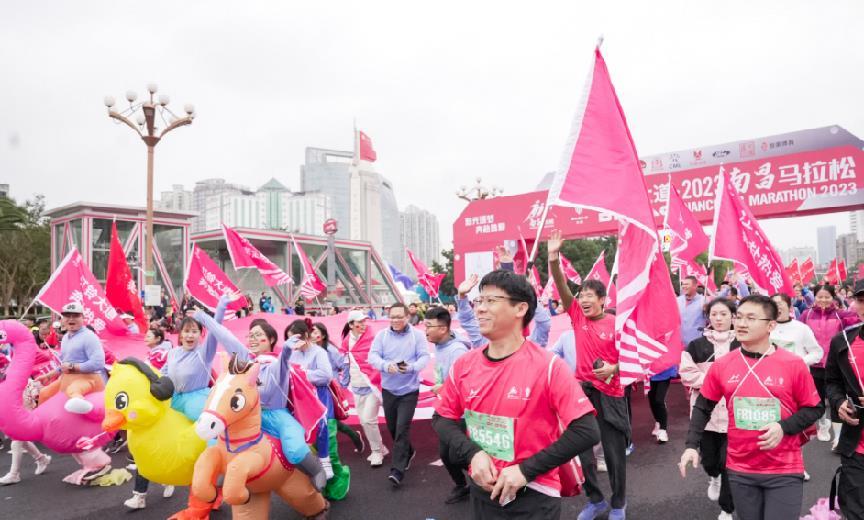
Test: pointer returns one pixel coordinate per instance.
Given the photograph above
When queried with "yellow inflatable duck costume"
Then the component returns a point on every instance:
(162, 440)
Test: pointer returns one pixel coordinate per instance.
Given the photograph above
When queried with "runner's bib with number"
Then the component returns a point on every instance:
(493, 433)
(752, 413)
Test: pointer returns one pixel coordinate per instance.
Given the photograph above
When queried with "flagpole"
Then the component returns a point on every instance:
(539, 231)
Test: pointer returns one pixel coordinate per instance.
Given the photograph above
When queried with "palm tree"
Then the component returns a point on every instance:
(12, 216)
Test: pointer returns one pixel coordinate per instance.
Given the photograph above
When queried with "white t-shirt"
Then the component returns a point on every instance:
(797, 338)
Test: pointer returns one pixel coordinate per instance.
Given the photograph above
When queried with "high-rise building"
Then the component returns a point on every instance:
(329, 172)
(850, 250)
(177, 198)
(212, 199)
(801, 253)
(271, 197)
(234, 210)
(305, 213)
(419, 232)
(856, 224)
(826, 240)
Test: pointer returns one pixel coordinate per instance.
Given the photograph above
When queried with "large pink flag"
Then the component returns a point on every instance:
(688, 237)
(738, 237)
(207, 283)
(600, 170)
(598, 270)
(244, 255)
(571, 273)
(429, 280)
(73, 281)
(311, 286)
(534, 280)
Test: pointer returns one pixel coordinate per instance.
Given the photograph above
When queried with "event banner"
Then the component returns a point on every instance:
(73, 281)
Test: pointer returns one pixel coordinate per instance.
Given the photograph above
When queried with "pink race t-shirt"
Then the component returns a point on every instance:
(515, 407)
(787, 386)
(595, 339)
(856, 352)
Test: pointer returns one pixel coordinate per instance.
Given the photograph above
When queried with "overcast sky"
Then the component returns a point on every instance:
(446, 90)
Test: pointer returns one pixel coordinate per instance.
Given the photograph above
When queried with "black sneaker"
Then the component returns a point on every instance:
(92, 475)
(457, 494)
(410, 459)
(359, 443)
(396, 477)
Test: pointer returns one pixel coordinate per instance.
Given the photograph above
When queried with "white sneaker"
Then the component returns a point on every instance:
(78, 405)
(714, 488)
(168, 492)
(42, 463)
(328, 467)
(662, 436)
(10, 478)
(834, 444)
(823, 430)
(724, 516)
(601, 466)
(138, 501)
(806, 476)
(375, 460)
(656, 429)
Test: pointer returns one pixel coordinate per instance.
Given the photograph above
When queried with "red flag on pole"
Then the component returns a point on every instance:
(794, 271)
(311, 286)
(534, 280)
(688, 237)
(600, 170)
(860, 274)
(598, 270)
(429, 280)
(120, 286)
(739, 238)
(366, 152)
(841, 271)
(808, 270)
(73, 281)
(569, 271)
(207, 283)
(832, 275)
(244, 255)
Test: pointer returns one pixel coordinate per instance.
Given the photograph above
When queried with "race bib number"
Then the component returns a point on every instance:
(493, 433)
(786, 345)
(752, 413)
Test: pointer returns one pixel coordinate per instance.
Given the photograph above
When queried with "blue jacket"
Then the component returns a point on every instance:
(390, 347)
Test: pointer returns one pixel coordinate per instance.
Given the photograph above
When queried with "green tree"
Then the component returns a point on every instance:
(447, 287)
(25, 255)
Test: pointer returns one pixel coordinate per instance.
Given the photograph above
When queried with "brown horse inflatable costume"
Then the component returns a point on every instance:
(251, 461)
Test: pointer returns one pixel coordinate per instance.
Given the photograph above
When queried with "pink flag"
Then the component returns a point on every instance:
(520, 257)
(688, 238)
(73, 281)
(600, 170)
(598, 270)
(808, 270)
(794, 271)
(367, 153)
(841, 271)
(550, 292)
(312, 285)
(569, 272)
(207, 283)
(534, 280)
(244, 255)
(738, 237)
(430, 281)
(119, 285)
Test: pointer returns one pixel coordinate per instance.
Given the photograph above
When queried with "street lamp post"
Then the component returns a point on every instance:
(478, 191)
(147, 128)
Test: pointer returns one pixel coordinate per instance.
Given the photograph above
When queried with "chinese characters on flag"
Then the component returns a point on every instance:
(738, 238)
(73, 281)
(244, 255)
(207, 283)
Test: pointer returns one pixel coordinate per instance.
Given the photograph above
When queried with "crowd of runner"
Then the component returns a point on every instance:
(764, 374)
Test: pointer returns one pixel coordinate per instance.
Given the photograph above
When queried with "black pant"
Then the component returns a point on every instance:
(399, 411)
(141, 483)
(713, 448)
(657, 401)
(614, 423)
(455, 468)
(818, 374)
(851, 488)
(528, 505)
(767, 497)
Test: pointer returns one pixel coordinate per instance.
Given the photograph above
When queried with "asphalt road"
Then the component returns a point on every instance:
(655, 488)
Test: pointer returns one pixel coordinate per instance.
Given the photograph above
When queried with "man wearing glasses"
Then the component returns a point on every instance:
(524, 411)
(771, 399)
(844, 371)
(399, 352)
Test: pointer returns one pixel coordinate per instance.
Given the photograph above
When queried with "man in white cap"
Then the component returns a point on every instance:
(83, 362)
(129, 321)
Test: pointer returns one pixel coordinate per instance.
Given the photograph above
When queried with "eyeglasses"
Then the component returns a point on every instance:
(256, 335)
(749, 319)
(488, 300)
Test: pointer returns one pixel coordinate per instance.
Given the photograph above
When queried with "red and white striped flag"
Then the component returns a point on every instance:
(244, 256)
(600, 171)
(311, 286)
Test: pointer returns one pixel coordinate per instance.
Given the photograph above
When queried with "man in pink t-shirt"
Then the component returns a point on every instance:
(771, 399)
(524, 412)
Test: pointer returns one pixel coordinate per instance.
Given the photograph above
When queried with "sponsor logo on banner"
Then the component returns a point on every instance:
(674, 161)
(747, 149)
(719, 154)
(697, 158)
(657, 165)
(643, 164)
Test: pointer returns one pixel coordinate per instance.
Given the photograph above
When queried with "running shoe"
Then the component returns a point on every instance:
(592, 510)
(618, 514)
(138, 501)
(662, 437)
(630, 449)
(457, 494)
(42, 463)
(714, 484)
(601, 466)
(96, 473)
(823, 430)
(396, 477)
(724, 516)
(410, 459)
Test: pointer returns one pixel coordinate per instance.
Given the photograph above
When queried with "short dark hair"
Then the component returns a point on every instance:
(692, 279)
(517, 288)
(720, 301)
(158, 333)
(397, 305)
(825, 287)
(783, 296)
(598, 287)
(768, 305)
(189, 320)
(268, 330)
(300, 326)
(439, 313)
